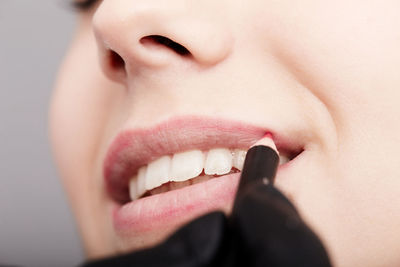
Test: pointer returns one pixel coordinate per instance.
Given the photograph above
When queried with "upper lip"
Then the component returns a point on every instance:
(133, 148)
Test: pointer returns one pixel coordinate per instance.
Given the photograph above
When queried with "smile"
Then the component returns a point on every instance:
(183, 164)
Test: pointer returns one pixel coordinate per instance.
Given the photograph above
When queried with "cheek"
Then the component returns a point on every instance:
(346, 53)
(80, 113)
(75, 120)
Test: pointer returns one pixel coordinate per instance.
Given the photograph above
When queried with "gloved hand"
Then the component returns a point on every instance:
(264, 229)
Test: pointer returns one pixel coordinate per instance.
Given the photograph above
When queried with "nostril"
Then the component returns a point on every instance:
(116, 61)
(164, 41)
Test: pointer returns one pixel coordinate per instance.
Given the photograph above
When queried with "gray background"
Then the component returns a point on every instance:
(36, 225)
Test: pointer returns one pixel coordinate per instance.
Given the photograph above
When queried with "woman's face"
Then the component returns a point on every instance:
(146, 80)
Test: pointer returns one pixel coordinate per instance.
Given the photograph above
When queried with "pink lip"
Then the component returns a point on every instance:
(134, 148)
(175, 207)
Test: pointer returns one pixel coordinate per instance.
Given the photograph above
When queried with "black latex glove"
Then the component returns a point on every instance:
(264, 229)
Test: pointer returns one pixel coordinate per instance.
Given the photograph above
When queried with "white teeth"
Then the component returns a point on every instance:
(283, 159)
(141, 185)
(182, 167)
(137, 184)
(133, 188)
(186, 165)
(157, 172)
(238, 158)
(218, 161)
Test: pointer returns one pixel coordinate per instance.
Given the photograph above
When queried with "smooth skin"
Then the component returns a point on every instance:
(327, 68)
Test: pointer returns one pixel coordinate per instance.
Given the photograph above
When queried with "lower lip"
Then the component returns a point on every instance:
(175, 207)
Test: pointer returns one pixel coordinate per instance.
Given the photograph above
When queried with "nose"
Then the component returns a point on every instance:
(153, 34)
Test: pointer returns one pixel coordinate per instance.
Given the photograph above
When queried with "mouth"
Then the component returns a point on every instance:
(180, 165)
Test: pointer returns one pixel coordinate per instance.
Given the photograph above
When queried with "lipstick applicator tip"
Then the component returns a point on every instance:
(266, 140)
